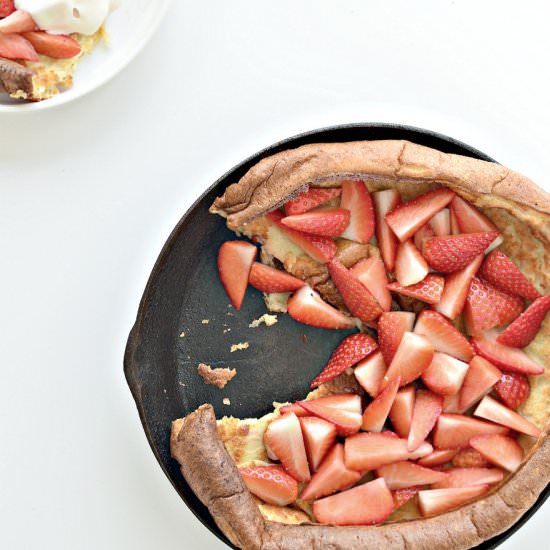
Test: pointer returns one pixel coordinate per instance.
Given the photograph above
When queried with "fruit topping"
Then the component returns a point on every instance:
(436, 501)
(524, 329)
(377, 412)
(513, 389)
(369, 372)
(235, 259)
(410, 265)
(57, 46)
(427, 408)
(466, 477)
(346, 421)
(441, 223)
(329, 222)
(402, 411)
(310, 199)
(401, 475)
(384, 202)
(445, 374)
(491, 409)
(454, 431)
(479, 380)
(270, 483)
(268, 279)
(438, 458)
(391, 328)
(428, 290)
(319, 437)
(357, 199)
(500, 450)
(372, 274)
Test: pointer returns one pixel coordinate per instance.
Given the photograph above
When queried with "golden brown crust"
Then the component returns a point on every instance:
(216, 377)
(14, 77)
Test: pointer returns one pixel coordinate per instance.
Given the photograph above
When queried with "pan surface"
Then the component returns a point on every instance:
(184, 319)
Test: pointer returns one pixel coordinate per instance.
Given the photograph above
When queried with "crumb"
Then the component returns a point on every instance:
(164, 390)
(205, 321)
(229, 306)
(226, 401)
(182, 384)
(182, 335)
(304, 338)
(226, 330)
(216, 377)
(229, 314)
(276, 302)
(239, 346)
(269, 321)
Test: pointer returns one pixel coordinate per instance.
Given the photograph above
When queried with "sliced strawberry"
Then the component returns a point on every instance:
(491, 409)
(402, 411)
(370, 450)
(57, 46)
(429, 290)
(451, 404)
(331, 476)
(513, 389)
(310, 199)
(391, 328)
(330, 222)
(319, 437)
(438, 458)
(427, 408)
(346, 422)
(384, 202)
(369, 373)
(402, 496)
(271, 484)
(504, 357)
(349, 352)
(445, 374)
(441, 223)
(376, 413)
(405, 220)
(470, 458)
(17, 22)
(235, 259)
(503, 273)
(443, 335)
(410, 265)
(437, 501)
(500, 450)
(293, 408)
(425, 232)
(7, 7)
(407, 474)
(268, 279)
(284, 437)
(350, 402)
(454, 431)
(307, 307)
(367, 504)
(467, 477)
(356, 198)
(372, 274)
(15, 47)
(524, 329)
(487, 307)
(480, 379)
(424, 450)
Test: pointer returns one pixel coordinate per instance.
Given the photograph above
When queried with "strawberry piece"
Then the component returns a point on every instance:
(349, 352)
(268, 279)
(285, 440)
(410, 265)
(513, 389)
(369, 373)
(15, 47)
(480, 379)
(503, 274)
(372, 274)
(319, 437)
(487, 307)
(376, 413)
(293, 408)
(357, 298)
(441, 223)
(470, 458)
(451, 403)
(524, 329)
(455, 291)
(307, 307)
(7, 7)
(271, 484)
(357, 199)
(425, 232)
(330, 222)
(438, 458)
(424, 450)
(391, 328)
(346, 422)
(331, 476)
(310, 199)
(491, 409)
(402, 496)
(350, 402)
(504, 357)
(402, 411)
(384, 202)
(407, 474)
(427, 408)
(367, 504)
(235, 259)
(467, 477)
(454, 431)
(18, 22)
(500, 450)
(429, 290)
(436, 501)
(443, 335)
(455, 252)
(405, 220)
(445, 374)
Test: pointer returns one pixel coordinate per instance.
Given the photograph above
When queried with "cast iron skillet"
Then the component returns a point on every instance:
(184, 295)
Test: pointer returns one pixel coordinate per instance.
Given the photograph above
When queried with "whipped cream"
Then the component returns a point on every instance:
(68, 16)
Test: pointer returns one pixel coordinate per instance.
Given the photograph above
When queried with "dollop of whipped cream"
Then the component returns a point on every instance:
(69, 16)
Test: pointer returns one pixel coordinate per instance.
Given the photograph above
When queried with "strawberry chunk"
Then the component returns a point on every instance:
(437, 501)
(346, 421)
(271, 484)
(513, 389)
(293, 408)
(480, 379)
(410, 265)
(501, 450)
(445, 374)
(57, 46)
(491, 409)
(407, 474)
(15, 47)
(427, 408)
(369, 372)
(372, 274)
(429, 290)
(319, 437)
(357, 199)
(425, 232)
(438, 458)
(454, 431)
(235, 259)
(391, 328)
(376, 413)
(441, 223)
(310, 199)
(330, 222)
(7, 7)
(402, 411)
(384, 202)
(470, 458)
(17, 22)
(467, 477)
(268, 279)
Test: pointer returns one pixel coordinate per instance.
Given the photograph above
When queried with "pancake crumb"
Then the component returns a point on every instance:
(226, 401)
(182, 335)
(205, 321)
(266, 318)
(239, 346)
(218, 377)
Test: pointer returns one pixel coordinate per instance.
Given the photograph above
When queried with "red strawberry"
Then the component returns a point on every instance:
(307, 307)
(357, 298)
(402, 411)
(410, 266)
(271, 484)
(455, 291)
(293, 408)
(513, 389)
(369, 373)
(384, 202)
(480, 379)
(319, 437)
(310, 199)
(487, 307)
(391, 328)
(405, 220)
(269, 279)
(356, 199)
(437, 501)
(350, 351)
(7, 7)
(491, 409)
(500, 450)
(285, 440)
(376, 413)
(427, 408)
(402, 496)
(503, 273)
(366, 504)
(455, 229)
(14, 46)
(17, 22)
(331, 476)
(451, 404)
(467, 477)
(428, 290)
(443, 335)
(454, 431)
(504, 357)
(524, 329)
(347, 422)
(425, 232)
(330, 222)
(350, 402)
(441, 223)
(455, 252)
(407, 474)
(470, 458)
(438, 458)
(57, 46)
(372, 274)
(235, 259)
(445, 374)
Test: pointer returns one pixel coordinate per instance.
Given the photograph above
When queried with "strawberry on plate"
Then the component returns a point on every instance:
(500, 450)
(466, 477)
(391, 328)
(491, 409)
(356, 198)
(438, 457)
(480, 379)
(401, 475)
(441, 223)
(471, 458)
(524, 329)
(377, 412)
(310, 199)
(235, 259)
(370, 371)
(384, 202)
(319, 437)
(268, 279)
(436, 501)
(57, 46)
(427, 408)
(445, 374)
(7, 7)
(372, 274)
(402, 411)
(429, 289)
(513, 389)
(346, 420)
(454, 431)
(329, 222)
(18, 21)
(16, 47)
(410, 265)
(271, 484)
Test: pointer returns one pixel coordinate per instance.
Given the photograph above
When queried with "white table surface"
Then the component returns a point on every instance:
(90, 191)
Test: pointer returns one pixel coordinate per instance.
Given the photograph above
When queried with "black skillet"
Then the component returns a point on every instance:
(184, 295)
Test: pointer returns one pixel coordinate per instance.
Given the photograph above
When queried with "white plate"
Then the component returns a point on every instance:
(129, 29)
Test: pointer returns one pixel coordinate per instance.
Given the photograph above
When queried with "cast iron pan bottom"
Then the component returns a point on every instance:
(184, 296)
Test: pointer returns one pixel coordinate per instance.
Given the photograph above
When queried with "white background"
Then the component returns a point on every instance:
(91, 190)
